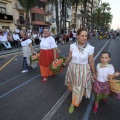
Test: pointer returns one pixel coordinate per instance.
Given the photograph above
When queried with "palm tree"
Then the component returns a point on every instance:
(27, 5)
(105, 8)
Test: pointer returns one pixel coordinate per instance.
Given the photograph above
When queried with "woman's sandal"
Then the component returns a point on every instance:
(44, 79)
(71, 109)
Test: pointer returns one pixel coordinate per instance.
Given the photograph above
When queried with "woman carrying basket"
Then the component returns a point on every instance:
(47, 54)
(104, 73)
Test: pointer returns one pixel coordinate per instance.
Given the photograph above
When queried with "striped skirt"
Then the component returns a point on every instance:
(101, 87)
(78, 79)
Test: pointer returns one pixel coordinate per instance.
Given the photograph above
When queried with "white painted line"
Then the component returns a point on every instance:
(89, 107)
(53, 110)
(10, 79)
(101, 50)
(49, 115)
(18, 86)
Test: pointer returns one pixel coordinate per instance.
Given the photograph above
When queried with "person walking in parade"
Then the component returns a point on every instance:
(104, 73)
(27, 48)
(47, 54)
(80, 70)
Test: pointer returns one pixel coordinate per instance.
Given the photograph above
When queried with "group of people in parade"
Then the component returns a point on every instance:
(81, 76)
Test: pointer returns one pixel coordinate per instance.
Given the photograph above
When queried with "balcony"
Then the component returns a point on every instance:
(6, 18)
(18, 6)
(37, 10)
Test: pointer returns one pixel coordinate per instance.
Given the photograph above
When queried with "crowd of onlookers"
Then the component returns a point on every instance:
(11, 39)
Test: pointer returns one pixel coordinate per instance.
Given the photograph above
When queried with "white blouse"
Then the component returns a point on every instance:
(104, 72)
(48, 43)
(26, 42)
(78, 57)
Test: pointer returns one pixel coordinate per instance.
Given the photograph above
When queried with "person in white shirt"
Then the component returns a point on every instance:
(47, 54)
(104, 73)
(4, 40)
(17, 30)
(74, 37)
(80, 70)
(16, 39)
(27, 48)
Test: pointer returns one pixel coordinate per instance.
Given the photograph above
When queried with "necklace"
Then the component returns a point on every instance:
(104, 64)
(81, 48)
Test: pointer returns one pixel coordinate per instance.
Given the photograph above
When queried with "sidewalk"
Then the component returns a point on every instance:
(14, 50)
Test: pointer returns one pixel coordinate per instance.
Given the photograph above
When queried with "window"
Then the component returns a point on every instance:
(37, 17)
(2, 10)
(21, 16)
(33, 16)
(40, 4)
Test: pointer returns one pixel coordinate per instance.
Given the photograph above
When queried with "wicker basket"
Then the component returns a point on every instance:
(115, 85)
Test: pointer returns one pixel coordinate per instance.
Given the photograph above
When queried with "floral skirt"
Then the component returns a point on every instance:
(101, 87)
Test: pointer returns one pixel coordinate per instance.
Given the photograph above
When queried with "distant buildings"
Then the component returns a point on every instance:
(43, 14)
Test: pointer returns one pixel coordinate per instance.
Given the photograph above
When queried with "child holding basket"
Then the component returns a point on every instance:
(104, 73)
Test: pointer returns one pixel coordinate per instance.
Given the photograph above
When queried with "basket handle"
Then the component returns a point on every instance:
(111, 78)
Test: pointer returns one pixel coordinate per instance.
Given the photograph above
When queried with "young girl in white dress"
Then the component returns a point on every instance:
(101, 86)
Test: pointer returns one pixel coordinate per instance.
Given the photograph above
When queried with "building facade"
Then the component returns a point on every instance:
(6, 14)
(38, 14)
(18, 15)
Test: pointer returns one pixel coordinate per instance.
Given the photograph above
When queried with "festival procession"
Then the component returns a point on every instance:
(59, 60)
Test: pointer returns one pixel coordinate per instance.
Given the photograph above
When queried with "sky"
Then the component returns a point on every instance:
(115, 11)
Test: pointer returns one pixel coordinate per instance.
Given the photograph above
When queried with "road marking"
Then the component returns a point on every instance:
(89, 107)
(49, 115)
(18, 87)
(53, 110)
(7, 63)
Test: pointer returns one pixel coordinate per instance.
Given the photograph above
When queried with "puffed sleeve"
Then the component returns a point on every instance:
(71, 47)
(111, 70)
(98, 66)
(90, 50)
(52, 43)
(29, 41)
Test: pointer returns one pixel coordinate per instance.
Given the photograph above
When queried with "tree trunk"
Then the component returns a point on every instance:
(57, 17)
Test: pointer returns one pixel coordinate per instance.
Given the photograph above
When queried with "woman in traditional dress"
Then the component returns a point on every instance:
(47, 54)
(27, 48)
(80, 70)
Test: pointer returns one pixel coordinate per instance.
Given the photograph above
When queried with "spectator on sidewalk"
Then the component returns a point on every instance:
(10, 39)
(4, 41)
(16, 39)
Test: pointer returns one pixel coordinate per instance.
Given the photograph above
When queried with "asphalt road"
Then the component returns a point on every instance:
(25, 97)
